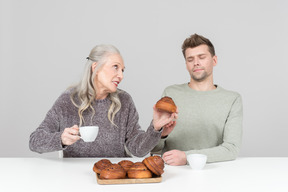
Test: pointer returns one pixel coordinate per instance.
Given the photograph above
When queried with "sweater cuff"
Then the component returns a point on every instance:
(61, 146)
(164, 137)
(153, 131)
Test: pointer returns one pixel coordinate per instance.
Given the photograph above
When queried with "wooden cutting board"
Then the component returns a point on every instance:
(127, 181)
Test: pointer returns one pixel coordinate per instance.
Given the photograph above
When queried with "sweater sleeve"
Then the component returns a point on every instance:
(47, 137)
(139, 142)
(232, 137)
(161, 144)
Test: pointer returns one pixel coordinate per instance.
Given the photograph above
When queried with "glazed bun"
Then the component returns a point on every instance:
(139, 171)
(166, 104)
(155, 164)
(113, 171)
(100, 165)
(126, 164)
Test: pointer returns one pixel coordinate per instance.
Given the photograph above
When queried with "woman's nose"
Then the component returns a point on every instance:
(120, 74)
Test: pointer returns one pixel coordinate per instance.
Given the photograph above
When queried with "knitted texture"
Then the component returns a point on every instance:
(209, 122)
(111, 139)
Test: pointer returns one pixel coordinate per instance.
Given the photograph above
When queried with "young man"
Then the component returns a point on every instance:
(210, 118)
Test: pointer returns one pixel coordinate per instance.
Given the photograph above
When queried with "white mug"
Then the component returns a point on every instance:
(197, 161)
(88, 133)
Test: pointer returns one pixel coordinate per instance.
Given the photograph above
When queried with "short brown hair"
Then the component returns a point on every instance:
(196, 40)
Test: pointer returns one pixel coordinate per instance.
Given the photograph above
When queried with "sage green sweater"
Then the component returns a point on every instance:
(209, 122)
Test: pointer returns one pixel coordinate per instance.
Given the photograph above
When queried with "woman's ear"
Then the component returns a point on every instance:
(93, 66)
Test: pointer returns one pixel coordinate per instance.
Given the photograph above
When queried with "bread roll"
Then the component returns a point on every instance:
(139, 171)
(166, 104)
(100, 165)
(113, 171)
(155, 164)
(126, 164)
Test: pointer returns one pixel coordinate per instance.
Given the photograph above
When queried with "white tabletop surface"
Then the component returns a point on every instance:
(75, 174)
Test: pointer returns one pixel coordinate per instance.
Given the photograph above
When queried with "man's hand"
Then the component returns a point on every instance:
(175, 157)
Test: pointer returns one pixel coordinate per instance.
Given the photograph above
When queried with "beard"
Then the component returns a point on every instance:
(199, 77)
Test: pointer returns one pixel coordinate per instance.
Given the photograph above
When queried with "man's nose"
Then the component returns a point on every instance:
(196, 61)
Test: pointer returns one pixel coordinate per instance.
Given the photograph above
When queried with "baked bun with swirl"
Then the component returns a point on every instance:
(113, 171)
(155, 164)
(126, 164)
(166, 104)
(139, 171)
(100, 165)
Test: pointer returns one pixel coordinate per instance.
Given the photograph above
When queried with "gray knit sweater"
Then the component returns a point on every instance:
(110, 141)
(209, 122)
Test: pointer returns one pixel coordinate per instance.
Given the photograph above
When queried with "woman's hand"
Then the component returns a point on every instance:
(70, 135)
(165, 120)
(168, 128)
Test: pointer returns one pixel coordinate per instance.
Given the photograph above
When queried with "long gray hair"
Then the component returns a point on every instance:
(85, 90)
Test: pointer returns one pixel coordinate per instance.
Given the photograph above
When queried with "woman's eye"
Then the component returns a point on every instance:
(115, 66)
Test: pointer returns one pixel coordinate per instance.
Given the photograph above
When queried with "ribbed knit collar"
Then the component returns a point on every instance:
(218, 88)
(107, 99)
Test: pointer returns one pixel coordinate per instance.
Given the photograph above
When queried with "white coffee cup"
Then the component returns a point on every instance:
(197, 161)
(88, 133)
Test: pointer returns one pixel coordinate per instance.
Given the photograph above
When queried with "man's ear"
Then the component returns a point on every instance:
(93, 66)
(214, 60)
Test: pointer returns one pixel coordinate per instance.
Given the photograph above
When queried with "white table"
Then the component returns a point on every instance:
(75, 174)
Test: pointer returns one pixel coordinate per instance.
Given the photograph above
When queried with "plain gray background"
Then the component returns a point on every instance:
(44, 44)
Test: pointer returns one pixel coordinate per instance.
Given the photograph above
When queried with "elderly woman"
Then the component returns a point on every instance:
(96, 100)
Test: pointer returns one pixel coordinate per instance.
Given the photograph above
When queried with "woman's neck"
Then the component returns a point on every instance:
(101, 96)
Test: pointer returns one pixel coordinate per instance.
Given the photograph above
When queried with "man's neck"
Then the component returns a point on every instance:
(201, 86)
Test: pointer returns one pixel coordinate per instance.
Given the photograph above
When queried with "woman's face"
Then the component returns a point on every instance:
(109, 76)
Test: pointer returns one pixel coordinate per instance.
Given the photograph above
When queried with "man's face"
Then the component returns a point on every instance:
(200, 63)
